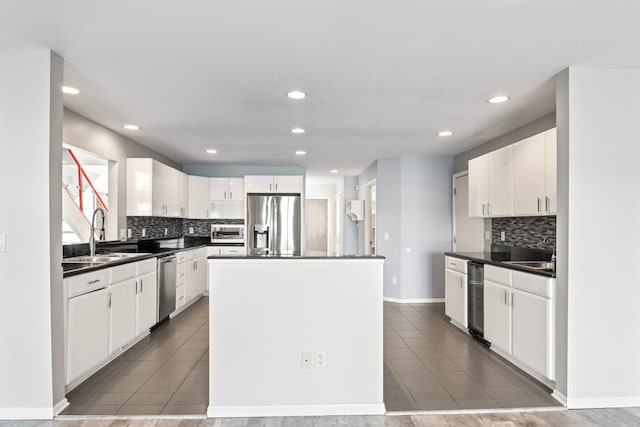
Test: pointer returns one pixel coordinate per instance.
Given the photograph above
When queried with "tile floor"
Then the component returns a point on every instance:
(431, 365)
(165, 373)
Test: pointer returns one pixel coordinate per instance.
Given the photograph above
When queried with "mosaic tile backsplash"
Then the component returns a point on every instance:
(525, 232)
(175, 227)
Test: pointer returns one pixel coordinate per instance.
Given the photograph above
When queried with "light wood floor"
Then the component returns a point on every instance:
(592, 417)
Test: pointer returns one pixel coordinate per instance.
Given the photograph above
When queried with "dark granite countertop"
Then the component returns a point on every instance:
(499, 258)
(296, 257)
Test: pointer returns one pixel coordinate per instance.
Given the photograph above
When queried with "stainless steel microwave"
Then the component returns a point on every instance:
(227, 233)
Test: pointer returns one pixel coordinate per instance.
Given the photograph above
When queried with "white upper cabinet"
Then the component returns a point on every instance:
(529, 176)
(198, 197)
(273, 184)
(230, 189)
(551, 170)
(155, 189)
(517, 180)
(491, 184)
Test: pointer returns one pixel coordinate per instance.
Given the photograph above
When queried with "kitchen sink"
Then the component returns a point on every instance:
(536, 265)
(102, 258)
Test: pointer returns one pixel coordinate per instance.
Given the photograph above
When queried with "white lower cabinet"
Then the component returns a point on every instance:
(531, 331)
(497, 316)
(455, 291)
(180, 297)
(191, 276)
(519, 318)
(147, 308)
(122, 314)
(87, 333)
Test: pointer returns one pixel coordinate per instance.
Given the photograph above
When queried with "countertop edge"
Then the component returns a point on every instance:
(501, 264)
(296, 258)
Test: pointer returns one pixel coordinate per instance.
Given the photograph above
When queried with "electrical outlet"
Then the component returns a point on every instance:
(307, 360)
(166, 231)
(144, 232)
(408, 250)
(394, 280)
(128, 233)
(190, 230)
(3, 243)
(502, 236)
(320, 359)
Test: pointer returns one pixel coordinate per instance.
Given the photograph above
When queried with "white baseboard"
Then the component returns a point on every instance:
(414, 300)
(60, 406)
(295, 410)
(603, 402)
(26, 413)
(559, 397)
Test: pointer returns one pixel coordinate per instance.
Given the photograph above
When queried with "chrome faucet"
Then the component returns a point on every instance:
(553, 253)
(92, 236)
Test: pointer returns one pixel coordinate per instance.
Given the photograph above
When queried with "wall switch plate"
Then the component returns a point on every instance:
(128, 233)
(144, 232)
(166, 232)
(320, 359)
(502, 236)
(394, 280)
(386, 236)
(408, 250)
(3, 243)
(190, 230)
(307, 360)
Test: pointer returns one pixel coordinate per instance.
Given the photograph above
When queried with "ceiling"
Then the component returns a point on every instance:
(382, 77)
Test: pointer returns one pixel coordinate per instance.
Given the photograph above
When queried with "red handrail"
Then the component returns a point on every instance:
(81, 171)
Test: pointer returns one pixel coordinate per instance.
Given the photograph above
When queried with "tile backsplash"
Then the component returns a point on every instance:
(175, 227)
(525, 232)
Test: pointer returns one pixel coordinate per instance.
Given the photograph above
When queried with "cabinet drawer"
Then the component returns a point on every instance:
(213, 250)
(88, 282)
(123, 272)
(147, 266)
(455, 264)
(180, 256)
(237, 251)
(180, 296)
(497, 275)
(533, 283)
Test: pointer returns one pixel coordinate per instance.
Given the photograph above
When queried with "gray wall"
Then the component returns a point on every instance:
(414, 209)
(88, 135)
(238, 171)
(540, 125)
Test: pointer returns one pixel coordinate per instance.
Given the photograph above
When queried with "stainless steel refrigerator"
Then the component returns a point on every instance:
(273, 225)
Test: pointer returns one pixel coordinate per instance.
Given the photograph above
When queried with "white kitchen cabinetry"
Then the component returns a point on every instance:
(491, 184)
(147, 295)
(273, 184)
(191, 276)
(551, 170)
(455, 291)
(155, 189)
(122, 314)
(87, 333)
(226, 250)
(230, 189)
(535, 175)
(519, 318)
(198, 197)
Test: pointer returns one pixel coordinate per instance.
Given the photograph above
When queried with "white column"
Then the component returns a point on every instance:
(598, 113)
(31, 325)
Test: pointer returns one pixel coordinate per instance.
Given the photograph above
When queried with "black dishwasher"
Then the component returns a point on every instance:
(475, 300)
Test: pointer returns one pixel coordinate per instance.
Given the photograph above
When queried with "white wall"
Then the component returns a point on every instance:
(598, 231)
(31, 326)
(266, 313)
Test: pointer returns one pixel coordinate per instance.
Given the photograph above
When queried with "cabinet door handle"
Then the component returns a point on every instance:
(483, 209)
(141, 286)
(513, 300)
(109, 301)
(230, 195)
(276, 186)
(539, 203)
(225, 195)
(460, 282)
(504, 299)
(488, 208)
(91, 282)
(270, 189)
(547, 203)
(137, 287)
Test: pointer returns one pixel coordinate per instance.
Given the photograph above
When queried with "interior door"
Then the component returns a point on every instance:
(317, 228)
(468, 232)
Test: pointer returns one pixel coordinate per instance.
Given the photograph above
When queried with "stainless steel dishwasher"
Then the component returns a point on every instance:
(166, 286)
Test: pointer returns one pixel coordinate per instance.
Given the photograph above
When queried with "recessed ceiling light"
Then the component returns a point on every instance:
(212, 151)
(70, 90)
(445, 133)
(498, 99)
(297, 130)
(334, 171)
(300, 153)
(132, 127)
(296, 94)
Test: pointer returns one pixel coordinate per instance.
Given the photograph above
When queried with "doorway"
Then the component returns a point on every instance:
(317, 226)
(468, 233)
(370, 208)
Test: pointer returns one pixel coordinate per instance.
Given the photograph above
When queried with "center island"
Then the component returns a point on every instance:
(295, 336)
